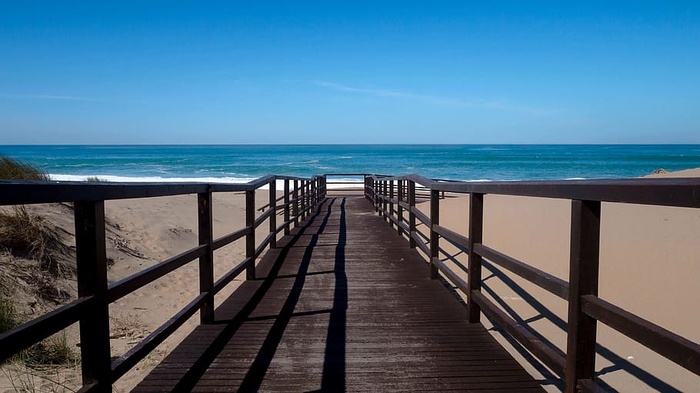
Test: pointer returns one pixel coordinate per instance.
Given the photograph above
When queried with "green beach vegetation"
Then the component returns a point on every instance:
(11, 169)
(31, 254)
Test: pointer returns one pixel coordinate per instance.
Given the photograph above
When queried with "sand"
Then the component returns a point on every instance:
(141, 233)
(650, 265)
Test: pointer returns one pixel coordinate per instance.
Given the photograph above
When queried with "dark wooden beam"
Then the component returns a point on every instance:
(91, 261)
(583, 280)
(476, 229)
(206, 260)
(250, 237)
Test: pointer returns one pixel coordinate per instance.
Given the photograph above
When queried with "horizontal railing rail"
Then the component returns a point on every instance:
(678, 192)
(394, 198)
(91, 309)
(344, 182)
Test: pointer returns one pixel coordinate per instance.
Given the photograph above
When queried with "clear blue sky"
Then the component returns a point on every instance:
(361, 72)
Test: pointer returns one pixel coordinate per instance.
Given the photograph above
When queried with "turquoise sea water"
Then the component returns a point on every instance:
(235, 163)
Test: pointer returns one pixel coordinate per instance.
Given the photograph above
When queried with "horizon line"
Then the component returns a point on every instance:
(354, 144)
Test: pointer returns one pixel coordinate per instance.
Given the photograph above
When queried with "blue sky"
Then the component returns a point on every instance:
(357, 72)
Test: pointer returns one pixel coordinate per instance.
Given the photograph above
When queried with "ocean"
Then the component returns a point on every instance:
(240, 163)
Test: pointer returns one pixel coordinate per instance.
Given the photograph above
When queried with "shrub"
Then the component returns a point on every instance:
(55, 350)
(94, 179)
(11, 169)
(30, 236)
(8, 315)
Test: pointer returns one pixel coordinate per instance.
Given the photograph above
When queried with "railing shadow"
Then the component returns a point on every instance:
(543, 312)
(258, 368)
(256, 373)
(333, 379)
(618, 362)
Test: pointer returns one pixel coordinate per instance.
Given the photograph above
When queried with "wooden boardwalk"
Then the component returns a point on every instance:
(341, 305)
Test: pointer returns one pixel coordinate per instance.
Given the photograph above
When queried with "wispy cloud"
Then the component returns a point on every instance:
(436, 99)
(56, 97)
(46, 97)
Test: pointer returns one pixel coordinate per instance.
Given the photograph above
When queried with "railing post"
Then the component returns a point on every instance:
(310, 195)
(91, 261)
(380, 201)
(399, 211)
(314, 190)
(273, 215)
(325, 186)
(385, 204)
(286, 207)
(391, 202)
(366, 179)
(303, 199)
(476, 228)
(376, 192)
(411, 214)
(379, 198)
(306, 198)
(206, 261)
(434, 237)
(583, 280)
(250, 237)
(295, 205)
(321, 188)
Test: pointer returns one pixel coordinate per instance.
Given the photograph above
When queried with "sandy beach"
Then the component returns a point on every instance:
(650, 265)
(141, 233)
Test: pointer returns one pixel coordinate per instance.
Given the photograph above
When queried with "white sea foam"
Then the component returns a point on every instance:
(151, 179)
(157, 179)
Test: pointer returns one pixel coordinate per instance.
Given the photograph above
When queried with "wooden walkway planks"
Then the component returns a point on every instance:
(342, 305)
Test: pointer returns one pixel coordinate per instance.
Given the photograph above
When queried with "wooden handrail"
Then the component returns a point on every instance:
(260, 219)
(91, 308)
(577, 366)
(536, 276)
(30, 333)
(127, 361)
(459, 241)
(549, 355)
(230, 238)
(231, 274)
(664, 342)
(146, 276)
(390, 200)
(422, 217)
(680, 192)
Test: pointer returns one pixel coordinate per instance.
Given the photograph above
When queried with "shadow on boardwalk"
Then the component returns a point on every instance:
(342, 305)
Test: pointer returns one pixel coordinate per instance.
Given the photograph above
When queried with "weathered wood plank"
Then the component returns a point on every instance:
(342, 304)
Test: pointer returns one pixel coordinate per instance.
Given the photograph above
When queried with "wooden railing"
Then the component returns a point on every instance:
(91, 309)
(394, 198)
(360, 185)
